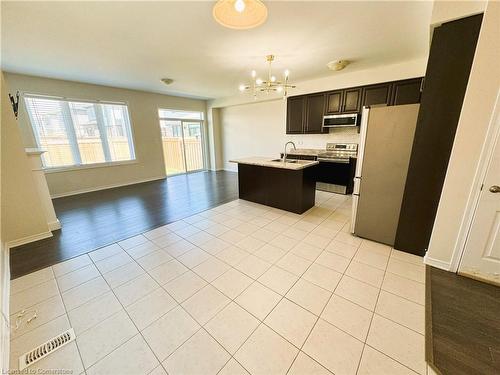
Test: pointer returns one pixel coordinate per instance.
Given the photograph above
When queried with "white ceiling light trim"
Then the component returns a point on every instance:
(240, 14)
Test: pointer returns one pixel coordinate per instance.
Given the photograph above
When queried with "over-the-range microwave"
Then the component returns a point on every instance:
(338, 121)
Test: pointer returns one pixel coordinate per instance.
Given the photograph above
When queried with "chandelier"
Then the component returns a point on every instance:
(270, 85)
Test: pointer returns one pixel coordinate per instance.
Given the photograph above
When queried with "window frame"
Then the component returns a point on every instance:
(74, 143)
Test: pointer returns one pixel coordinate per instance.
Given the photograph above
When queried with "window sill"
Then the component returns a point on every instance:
(89, 166)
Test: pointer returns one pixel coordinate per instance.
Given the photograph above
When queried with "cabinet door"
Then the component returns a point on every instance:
(377, 94)
(295, 115)
(334, 102)
(315, 108)
(352, 100)
(406, 92)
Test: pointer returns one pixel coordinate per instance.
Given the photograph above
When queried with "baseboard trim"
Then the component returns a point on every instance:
(22, 241)
(105, 187)
(446, 266)
(5, 319)
(54, 225)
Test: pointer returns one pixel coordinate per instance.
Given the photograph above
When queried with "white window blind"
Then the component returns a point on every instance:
(80, 132)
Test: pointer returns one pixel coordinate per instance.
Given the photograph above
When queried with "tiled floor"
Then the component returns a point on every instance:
(241, 288)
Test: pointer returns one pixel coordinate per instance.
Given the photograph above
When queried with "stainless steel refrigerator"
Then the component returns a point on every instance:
(386, 139)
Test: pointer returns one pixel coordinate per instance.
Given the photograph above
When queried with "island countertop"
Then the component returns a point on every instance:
(268, 162)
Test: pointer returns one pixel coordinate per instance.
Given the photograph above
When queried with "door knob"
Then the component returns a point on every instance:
(495, 189)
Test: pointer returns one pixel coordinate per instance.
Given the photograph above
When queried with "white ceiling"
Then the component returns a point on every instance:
(134, 44)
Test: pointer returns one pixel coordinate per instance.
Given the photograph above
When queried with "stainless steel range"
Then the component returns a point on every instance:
(336, 153)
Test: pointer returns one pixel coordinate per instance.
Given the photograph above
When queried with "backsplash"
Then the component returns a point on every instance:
(339, 135)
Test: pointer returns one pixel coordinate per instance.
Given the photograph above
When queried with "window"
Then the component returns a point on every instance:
(80, 133)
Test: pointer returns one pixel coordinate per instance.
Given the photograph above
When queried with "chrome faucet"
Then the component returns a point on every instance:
(284, 153)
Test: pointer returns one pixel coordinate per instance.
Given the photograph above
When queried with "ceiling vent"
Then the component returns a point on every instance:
(42, 351)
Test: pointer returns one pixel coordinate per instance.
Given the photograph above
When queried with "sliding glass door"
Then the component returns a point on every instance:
(183, 141)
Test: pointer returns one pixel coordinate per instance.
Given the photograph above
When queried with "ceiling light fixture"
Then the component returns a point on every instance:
(271, 84)
(337, 65)
(240, 14)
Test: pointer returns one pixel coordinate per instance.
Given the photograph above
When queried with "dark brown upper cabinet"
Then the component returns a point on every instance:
(305, 112)
(315, 109)
(334, 102)
(296, 106)
(407, 91)
(377, 94)
(352, 100)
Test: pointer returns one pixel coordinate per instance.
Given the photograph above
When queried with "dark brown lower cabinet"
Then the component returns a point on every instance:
(448, 68)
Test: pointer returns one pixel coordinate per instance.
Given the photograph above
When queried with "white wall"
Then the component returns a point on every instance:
(259, 128)
(143, 107)
(451, 222)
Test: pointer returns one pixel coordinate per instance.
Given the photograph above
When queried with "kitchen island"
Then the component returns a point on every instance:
(289, 185)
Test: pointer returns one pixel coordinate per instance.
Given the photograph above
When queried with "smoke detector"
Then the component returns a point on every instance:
(167, 81)
(337, 65)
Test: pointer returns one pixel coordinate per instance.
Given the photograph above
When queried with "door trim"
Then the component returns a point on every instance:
(491, 139)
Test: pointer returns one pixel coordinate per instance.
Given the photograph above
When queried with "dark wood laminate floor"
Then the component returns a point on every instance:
(463, 324)
(93, 220)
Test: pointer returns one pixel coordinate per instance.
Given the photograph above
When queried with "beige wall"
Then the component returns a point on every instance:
(143, 108)
(259, 128)
(21, 209)
(482, 90)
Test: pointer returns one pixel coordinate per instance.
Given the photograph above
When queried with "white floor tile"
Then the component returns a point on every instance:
(406, 257)
(135, 289)
(123, 274)
(371, 258)
(349, 317)
(166, 240)
(404, 269)
(168, 271)
(232, 255)
(214, 246)
(336, 350)
(201, 354)
(100, 340)
(358, 292)
(232, 283)
(270, 253)
(205, 304)
(32, 296)
(348, 239)
(141, 250)
(154, 259)
(363, 272)
(178, 248)
(335, 262)
(305, 365)
(317, 240)
(232, 326)
(278, 280)
(105, 252)
(31, 280)
(232, 236)
(398, 342)
(291, 321)
(294, 264)
(132, 242)
(211, 269)
(250, 244)
(307, 251)
(169, 332)
(375, 363)
(265, 352)
(253, 266)
(85, 292)
(150, 308)
(133, 357)
(402, 311)
(71, 265)
(157, 232)
(309, 296)
(77, 277)
(113, 262)
(184, 286)
(341, 248)
(322, 276)
(93, 312)
(233, 368)
(194, 257)
(284, 242)
(45, 311)
(258, 300)
(403, 287)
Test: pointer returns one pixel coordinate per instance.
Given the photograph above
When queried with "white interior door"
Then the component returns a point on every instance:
(481, 257)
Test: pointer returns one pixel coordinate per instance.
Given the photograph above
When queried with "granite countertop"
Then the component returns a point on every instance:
(268, 162)
(306, 151)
